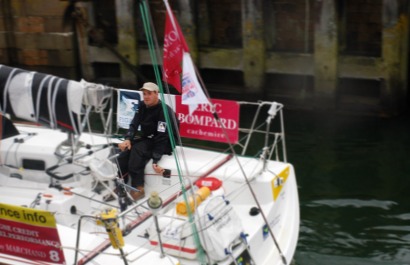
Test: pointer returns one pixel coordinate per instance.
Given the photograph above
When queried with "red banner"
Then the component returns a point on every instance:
(202, 125)
(29, 234)
(174, 45)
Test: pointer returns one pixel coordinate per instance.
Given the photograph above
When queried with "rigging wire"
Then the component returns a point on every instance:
(231, 147)
(182, 153)
(216, 116)
(146, 19)
(228, 140)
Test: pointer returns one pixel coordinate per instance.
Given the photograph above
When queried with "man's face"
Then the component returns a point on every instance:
(150, 97)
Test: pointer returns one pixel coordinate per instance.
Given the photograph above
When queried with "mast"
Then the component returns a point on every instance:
(147, 20)
(198, 98)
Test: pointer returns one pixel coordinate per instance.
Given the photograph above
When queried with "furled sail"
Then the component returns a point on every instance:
(49, 100)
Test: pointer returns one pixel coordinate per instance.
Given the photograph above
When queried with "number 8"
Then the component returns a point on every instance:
(54, 255)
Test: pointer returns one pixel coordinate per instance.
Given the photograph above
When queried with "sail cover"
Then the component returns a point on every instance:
(52, 101)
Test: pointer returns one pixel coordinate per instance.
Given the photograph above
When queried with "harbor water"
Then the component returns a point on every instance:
(353, 174)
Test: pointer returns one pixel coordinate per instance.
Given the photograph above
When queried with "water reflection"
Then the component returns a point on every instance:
(353, 175)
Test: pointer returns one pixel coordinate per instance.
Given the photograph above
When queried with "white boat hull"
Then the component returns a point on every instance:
(273, 184)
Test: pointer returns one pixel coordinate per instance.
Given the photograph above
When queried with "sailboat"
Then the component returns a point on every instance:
(208, 207)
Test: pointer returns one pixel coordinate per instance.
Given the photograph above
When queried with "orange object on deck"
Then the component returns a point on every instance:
(200, 195)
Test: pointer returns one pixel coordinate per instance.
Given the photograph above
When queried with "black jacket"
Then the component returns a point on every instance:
(153, 125)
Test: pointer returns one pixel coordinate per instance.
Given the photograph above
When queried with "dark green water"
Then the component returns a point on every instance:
(354, 178)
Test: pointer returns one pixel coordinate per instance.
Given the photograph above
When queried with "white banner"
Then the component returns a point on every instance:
(192, 93)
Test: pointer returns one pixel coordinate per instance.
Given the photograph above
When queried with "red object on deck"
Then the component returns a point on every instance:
(210, 182)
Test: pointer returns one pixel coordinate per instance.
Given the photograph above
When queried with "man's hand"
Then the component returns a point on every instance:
(157, 168)
(126, 145)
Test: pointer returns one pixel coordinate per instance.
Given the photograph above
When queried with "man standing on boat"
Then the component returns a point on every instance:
(151, 142)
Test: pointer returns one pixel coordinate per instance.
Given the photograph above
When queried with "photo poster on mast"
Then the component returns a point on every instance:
(128, 102)
(30, 234)
(201, 124)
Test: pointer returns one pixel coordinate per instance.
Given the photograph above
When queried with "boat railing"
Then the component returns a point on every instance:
(98, 99)
(274, 134)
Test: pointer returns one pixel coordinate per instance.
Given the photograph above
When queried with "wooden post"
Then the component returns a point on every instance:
(127, 39)
(253, 45)
(82, 42)
(394, 51)
(325, 54)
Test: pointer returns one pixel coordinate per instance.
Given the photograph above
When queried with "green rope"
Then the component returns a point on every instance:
(151, 47)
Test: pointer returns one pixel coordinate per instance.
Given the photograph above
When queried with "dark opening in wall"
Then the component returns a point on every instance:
(289, 25)
(148, 75)
(107, 70)
(105, 21)
(360, 30)
(223, 84)
(158, 13)
(222, 77)
(225, 21)
(289, 85)
(148, 72)
(359, 87)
